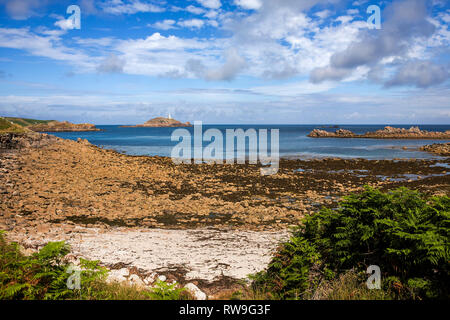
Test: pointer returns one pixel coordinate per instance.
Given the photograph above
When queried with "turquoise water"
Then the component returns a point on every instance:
(293, 141)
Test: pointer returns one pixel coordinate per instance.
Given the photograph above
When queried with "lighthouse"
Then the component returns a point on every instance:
(169, 116)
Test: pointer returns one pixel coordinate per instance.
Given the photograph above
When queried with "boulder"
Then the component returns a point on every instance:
(318, 133)
(162, 278)
(150, 279)
(119, 275)
(344, 132)
(196, 292)
(136, 280)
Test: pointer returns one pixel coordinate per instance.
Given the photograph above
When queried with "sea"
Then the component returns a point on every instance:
(293, 141)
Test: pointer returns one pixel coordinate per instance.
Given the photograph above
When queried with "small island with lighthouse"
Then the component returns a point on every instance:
(161, 122)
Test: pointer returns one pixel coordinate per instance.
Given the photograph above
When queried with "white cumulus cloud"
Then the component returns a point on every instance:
(211, 4)
(118, 7)
(193, 23)
(249, 4)
(164, 25)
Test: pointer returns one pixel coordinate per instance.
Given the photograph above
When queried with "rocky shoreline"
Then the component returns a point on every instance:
(17, 141)
(120, 208)
(386, 133)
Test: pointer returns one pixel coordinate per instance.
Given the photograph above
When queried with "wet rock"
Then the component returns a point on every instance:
(442, 149)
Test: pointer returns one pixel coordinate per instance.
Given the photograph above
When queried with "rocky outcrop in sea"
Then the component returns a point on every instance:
(442, 149)
(385, 133)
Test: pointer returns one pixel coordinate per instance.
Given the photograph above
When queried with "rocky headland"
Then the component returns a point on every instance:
(386, 133)
(161, 122)
(65, 126)
(7, 126)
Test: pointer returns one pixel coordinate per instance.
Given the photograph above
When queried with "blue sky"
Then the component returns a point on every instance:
(234, 61)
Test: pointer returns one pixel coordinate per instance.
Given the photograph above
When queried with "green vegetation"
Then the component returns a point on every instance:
(44, 275)
(165, 291)
(350, 285)
(18, 125)
(7, 126)
(27, 122)
(403, 232)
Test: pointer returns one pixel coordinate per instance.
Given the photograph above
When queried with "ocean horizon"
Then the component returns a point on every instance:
(293, 141)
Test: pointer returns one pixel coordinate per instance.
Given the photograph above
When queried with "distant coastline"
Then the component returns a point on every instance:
(24, 124)
(65, 126)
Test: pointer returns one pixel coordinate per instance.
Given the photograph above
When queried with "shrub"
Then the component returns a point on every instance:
(402, 231)
(44, 274)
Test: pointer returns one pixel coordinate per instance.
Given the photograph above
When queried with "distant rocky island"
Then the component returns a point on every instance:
(10, 124)
(161, 122)
(386, 133)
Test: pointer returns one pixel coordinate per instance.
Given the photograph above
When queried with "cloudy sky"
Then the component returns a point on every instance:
(226, 61)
